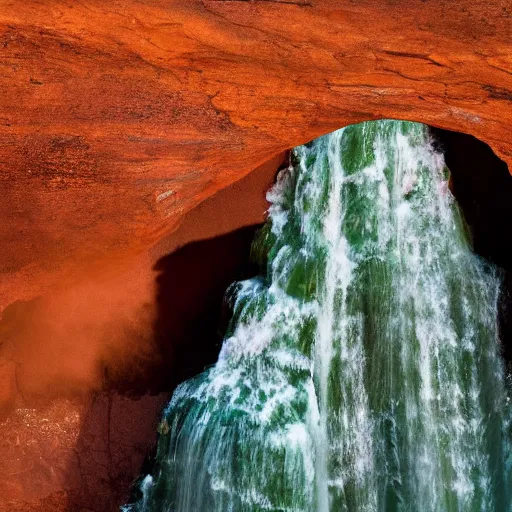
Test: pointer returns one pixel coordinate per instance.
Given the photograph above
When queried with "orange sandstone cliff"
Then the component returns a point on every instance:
(116, 118)
(130, 128)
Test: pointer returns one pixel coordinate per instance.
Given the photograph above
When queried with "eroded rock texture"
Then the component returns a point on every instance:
(118, 120)
(75, 455)
(86, 368)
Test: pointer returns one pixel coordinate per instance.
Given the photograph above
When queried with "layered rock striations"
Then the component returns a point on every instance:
(127, 130)
(115, 120)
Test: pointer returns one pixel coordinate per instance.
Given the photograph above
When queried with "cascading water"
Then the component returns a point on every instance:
(363, 372)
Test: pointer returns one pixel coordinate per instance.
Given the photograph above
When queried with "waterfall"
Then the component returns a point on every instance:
(362, 370)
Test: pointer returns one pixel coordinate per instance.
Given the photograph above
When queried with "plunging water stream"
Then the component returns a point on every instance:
(362, 372)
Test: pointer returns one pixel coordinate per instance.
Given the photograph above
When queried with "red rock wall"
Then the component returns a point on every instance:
(76, 363)
(118, 117)
(63, 341)
(75, 455)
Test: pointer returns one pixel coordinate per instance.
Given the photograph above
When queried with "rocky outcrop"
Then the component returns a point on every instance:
(112, 325)
(118, 122)
(116, 119)
(85, 371)
(75, 455)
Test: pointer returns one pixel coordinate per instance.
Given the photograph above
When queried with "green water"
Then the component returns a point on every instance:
(361, 371)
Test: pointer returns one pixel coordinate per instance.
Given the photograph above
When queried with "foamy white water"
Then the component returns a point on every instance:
(362, 371)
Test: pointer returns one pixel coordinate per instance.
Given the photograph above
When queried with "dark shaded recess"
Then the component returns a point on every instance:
(482, 185)
(187, 334)
(191, 321)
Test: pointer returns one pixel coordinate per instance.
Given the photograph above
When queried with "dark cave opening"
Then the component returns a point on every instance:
(191, 284)
(482, 186)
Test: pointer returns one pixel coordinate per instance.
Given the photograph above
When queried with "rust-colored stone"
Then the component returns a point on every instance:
(116, 118)
(75, 455)
(66, 444)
